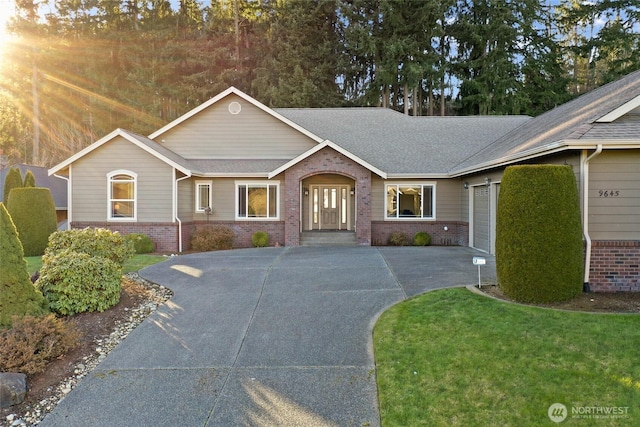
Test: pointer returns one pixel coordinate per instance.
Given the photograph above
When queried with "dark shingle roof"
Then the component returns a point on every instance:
(400, 144)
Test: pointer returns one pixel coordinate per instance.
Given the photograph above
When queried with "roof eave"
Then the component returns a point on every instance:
(552, 148)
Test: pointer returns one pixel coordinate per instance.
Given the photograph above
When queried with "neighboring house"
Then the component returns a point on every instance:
(364, 173)
(58, 187)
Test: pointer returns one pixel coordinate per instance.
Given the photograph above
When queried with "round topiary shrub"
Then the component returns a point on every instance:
(398, 238)
(539, 249)
(75, 282)
(422, 238)
(260, 239)
(142, 243)
(212, 237)
(98, 242)
(18, 296)
(34, 214)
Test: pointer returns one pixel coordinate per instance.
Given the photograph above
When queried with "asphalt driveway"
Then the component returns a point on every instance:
(261, 337)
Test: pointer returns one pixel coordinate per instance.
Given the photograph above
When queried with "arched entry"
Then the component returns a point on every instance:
(328, 203)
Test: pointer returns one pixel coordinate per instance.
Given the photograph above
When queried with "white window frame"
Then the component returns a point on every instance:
(111, 200)
(261, 184)
(431, 184)
(198, 184)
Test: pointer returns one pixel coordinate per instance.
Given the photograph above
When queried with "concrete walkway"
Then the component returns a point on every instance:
(261, 337)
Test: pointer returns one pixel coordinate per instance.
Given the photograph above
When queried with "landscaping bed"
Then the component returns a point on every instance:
(100, 332)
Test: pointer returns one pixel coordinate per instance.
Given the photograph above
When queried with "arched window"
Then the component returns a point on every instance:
(122, 195)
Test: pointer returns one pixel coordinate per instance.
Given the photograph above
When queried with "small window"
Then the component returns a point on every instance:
(257, 201)
(410, 201)
(204, 195)
(122, 195)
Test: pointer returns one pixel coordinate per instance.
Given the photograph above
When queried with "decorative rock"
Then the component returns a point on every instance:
(13, 389)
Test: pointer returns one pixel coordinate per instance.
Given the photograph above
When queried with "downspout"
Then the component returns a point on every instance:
(585, 215)
(175, 208)
(68, 198)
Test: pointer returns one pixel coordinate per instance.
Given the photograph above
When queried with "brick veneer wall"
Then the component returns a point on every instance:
(243, 231)
(164, 235)
(456, 235)
(327, 161)
(614, 266)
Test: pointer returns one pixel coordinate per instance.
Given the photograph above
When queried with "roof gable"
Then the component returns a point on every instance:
(142, 142)
(221, 96)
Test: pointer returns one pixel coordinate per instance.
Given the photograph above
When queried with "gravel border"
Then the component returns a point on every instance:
(159, 295)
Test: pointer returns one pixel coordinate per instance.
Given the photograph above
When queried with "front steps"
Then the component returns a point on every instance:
(328, 238)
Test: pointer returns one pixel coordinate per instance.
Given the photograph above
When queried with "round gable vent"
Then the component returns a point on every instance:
(235, 107)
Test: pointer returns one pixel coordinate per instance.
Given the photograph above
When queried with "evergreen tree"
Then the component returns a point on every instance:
(29, 179)
(303, 55)
(12, 180)
(18, 296)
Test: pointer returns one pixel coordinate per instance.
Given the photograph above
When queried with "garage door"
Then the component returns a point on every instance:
(481, 218)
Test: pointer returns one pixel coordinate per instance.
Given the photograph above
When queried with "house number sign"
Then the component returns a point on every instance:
(608, 193)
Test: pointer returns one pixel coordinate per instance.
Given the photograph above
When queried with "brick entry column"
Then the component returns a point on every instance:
(324, 161)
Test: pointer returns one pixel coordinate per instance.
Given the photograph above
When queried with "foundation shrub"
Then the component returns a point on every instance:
(97, 242)
(398, 238)
(422, 238)
(212, 237)
(75, 282)
(142, 243)
(34, 214)
(539, 250)
(260, 239)
(32, 342)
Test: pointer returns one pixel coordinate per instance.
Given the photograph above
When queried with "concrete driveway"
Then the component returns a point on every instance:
(261, 337)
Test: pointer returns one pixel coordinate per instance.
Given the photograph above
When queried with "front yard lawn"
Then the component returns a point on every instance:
(452, 357)
(136, 263)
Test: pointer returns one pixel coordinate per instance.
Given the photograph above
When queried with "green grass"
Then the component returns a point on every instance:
(136, 263)
(452, 357)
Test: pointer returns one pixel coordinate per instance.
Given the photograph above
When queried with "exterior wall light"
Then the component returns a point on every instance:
(465, 185)
(487, 181)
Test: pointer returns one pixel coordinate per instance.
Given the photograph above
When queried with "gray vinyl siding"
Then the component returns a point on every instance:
(186, 200)
(89, 182)
(447, 198)
(216, 133)
(615, 217)
(224, 198)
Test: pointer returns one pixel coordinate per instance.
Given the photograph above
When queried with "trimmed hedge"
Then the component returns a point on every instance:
(97, 242)
(75, 282)
(422, 238)
(260, 239)
(539, 249)
(142, 243)
(34, 214)
(18, 296)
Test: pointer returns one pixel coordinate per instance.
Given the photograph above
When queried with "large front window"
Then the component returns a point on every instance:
(122, 195)
(257, 201)
(410, 201)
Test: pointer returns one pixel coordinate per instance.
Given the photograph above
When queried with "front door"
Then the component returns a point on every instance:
(330, 207)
